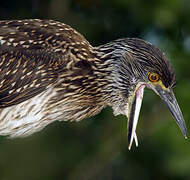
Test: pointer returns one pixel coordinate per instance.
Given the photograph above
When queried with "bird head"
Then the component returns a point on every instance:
(138, 64)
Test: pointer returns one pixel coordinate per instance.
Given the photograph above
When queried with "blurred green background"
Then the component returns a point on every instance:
(96, 148)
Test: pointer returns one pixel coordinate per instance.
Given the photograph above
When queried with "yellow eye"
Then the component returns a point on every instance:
(153, 77)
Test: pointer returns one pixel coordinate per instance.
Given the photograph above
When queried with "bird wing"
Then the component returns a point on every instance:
(32, 54)
(23, 75)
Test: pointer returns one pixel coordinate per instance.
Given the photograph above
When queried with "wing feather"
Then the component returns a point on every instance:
(19, 83)
(32, 55)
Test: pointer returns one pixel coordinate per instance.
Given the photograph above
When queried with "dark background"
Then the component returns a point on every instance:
(96, 148)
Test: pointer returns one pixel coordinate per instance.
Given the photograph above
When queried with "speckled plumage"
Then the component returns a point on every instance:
(49, 71)
(39, 55)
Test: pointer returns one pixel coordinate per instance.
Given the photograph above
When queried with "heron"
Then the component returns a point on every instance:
(50, 72)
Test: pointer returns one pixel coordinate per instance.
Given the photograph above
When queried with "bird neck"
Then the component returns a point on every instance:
(120, 81)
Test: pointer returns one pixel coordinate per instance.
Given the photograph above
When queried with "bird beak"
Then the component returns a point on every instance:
(133, 114)
(134, 109)
(168, 97)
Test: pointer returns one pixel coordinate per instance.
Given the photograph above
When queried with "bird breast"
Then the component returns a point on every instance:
(27, 117)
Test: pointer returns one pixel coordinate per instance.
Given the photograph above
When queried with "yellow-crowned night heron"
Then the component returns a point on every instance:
(49, 71)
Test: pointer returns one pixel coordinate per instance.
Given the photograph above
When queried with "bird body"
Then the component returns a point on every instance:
(49, 72)
(45, 76)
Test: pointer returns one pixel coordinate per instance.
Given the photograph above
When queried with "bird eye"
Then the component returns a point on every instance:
(153, 77)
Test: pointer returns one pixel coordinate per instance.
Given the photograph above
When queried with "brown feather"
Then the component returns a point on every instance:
(49, 71)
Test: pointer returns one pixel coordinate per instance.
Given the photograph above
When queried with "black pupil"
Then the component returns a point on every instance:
(154, 77)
